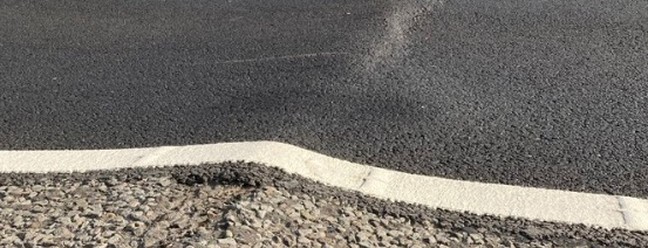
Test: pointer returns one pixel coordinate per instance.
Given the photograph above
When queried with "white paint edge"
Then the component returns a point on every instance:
(607, 211)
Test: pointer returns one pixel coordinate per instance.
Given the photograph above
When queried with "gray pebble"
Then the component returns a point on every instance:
(159, 210)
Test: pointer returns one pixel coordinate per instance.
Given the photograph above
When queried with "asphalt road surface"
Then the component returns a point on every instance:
(525, 92)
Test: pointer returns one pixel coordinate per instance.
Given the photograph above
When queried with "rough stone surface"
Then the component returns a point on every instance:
(232, 205)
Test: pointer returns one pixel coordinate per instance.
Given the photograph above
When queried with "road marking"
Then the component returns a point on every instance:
(600, 210)
(271, 58)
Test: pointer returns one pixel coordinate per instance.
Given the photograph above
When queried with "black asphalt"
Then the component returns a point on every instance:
(526, 92)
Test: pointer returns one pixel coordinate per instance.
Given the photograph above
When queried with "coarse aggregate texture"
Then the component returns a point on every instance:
(535, 93)
(250, 205)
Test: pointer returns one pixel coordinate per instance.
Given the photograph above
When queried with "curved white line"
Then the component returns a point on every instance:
(606, 211)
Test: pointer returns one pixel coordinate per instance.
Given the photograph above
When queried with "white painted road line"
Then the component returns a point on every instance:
(480, 198)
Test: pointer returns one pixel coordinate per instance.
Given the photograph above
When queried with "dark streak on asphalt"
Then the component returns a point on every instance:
(538, 93)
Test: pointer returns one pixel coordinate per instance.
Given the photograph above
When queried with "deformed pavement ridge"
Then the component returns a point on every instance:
(598, 210)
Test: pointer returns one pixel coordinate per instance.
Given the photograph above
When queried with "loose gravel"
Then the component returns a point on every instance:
(249, 205)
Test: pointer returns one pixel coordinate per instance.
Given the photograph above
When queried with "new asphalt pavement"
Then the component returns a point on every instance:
(547, 94)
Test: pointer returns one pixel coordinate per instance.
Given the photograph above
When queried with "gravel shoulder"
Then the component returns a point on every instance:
(249, 205)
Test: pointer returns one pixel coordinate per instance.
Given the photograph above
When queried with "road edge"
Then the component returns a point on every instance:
(598, 210)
